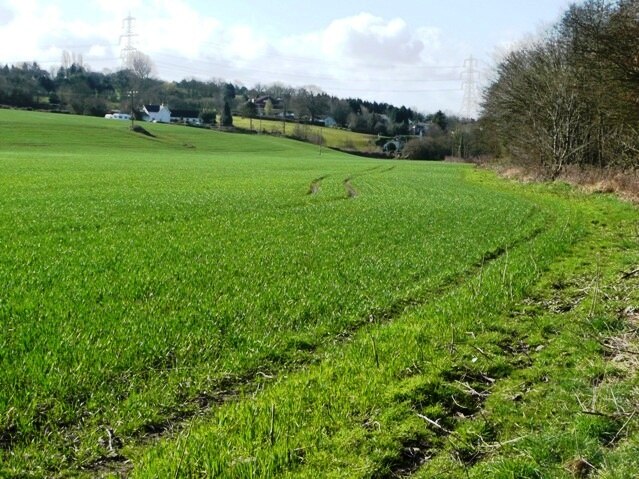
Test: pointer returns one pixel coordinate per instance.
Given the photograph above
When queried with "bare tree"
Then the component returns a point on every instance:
(538, 109)
(142, 65)
(603, 41)
(573, 98)
(312, 102)
(66, 60)
(70, 59)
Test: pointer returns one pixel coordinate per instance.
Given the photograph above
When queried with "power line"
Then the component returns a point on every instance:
(200, 66)
(383, 90)
(315, 61)
(201, 69)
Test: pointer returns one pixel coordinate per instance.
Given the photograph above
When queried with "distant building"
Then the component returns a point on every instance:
(260, 103)
(395, 145)
(289, 115)
(191, 117)
(328, 121)
(419, 128)
(116, 115)
(156, 113)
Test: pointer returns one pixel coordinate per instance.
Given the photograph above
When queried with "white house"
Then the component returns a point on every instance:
(156, 113)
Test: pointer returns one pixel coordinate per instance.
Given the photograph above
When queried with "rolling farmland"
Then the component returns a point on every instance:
(197, 303)
(331, 137)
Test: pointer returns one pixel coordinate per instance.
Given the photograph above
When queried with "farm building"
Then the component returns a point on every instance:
(156, 113)
(192, 117)
(329, 121)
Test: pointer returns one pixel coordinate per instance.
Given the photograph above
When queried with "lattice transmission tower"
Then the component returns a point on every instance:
(126, 42)
(470, 84)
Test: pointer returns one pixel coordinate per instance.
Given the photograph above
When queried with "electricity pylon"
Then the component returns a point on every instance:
(128, 50)
(470, 84)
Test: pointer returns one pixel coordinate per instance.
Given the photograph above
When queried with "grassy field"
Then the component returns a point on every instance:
(206, 304)
(331, 137)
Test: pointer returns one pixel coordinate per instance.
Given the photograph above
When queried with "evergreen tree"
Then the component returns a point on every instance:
(440, 120)
(227, 117)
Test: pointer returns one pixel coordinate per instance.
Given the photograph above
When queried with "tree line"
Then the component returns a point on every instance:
(73, 87)
(571, 97)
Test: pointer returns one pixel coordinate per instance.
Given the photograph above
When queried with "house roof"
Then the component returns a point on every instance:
(261, 100)
(152, 108)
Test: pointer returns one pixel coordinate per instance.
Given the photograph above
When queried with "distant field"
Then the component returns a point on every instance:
(331, 137)
(205, 303)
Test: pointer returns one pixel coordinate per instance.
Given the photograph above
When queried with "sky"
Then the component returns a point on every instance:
(410, 52)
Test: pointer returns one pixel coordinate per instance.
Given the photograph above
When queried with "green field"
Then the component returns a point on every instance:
(330, 137)
(206, 304)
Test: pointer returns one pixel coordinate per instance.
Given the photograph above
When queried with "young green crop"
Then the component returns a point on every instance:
(349, 415)
(146, 279)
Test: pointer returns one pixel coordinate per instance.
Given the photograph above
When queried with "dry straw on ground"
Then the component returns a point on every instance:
(623, 183)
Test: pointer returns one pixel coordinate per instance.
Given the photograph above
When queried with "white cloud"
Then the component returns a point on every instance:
(98, 51)
(175, 27)
(431, 38)
(371, 39)
(378, 59)
(362, 55)
(25, 20)
(363, 39)
(119, 8)
(6, 15)
(246, 45)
